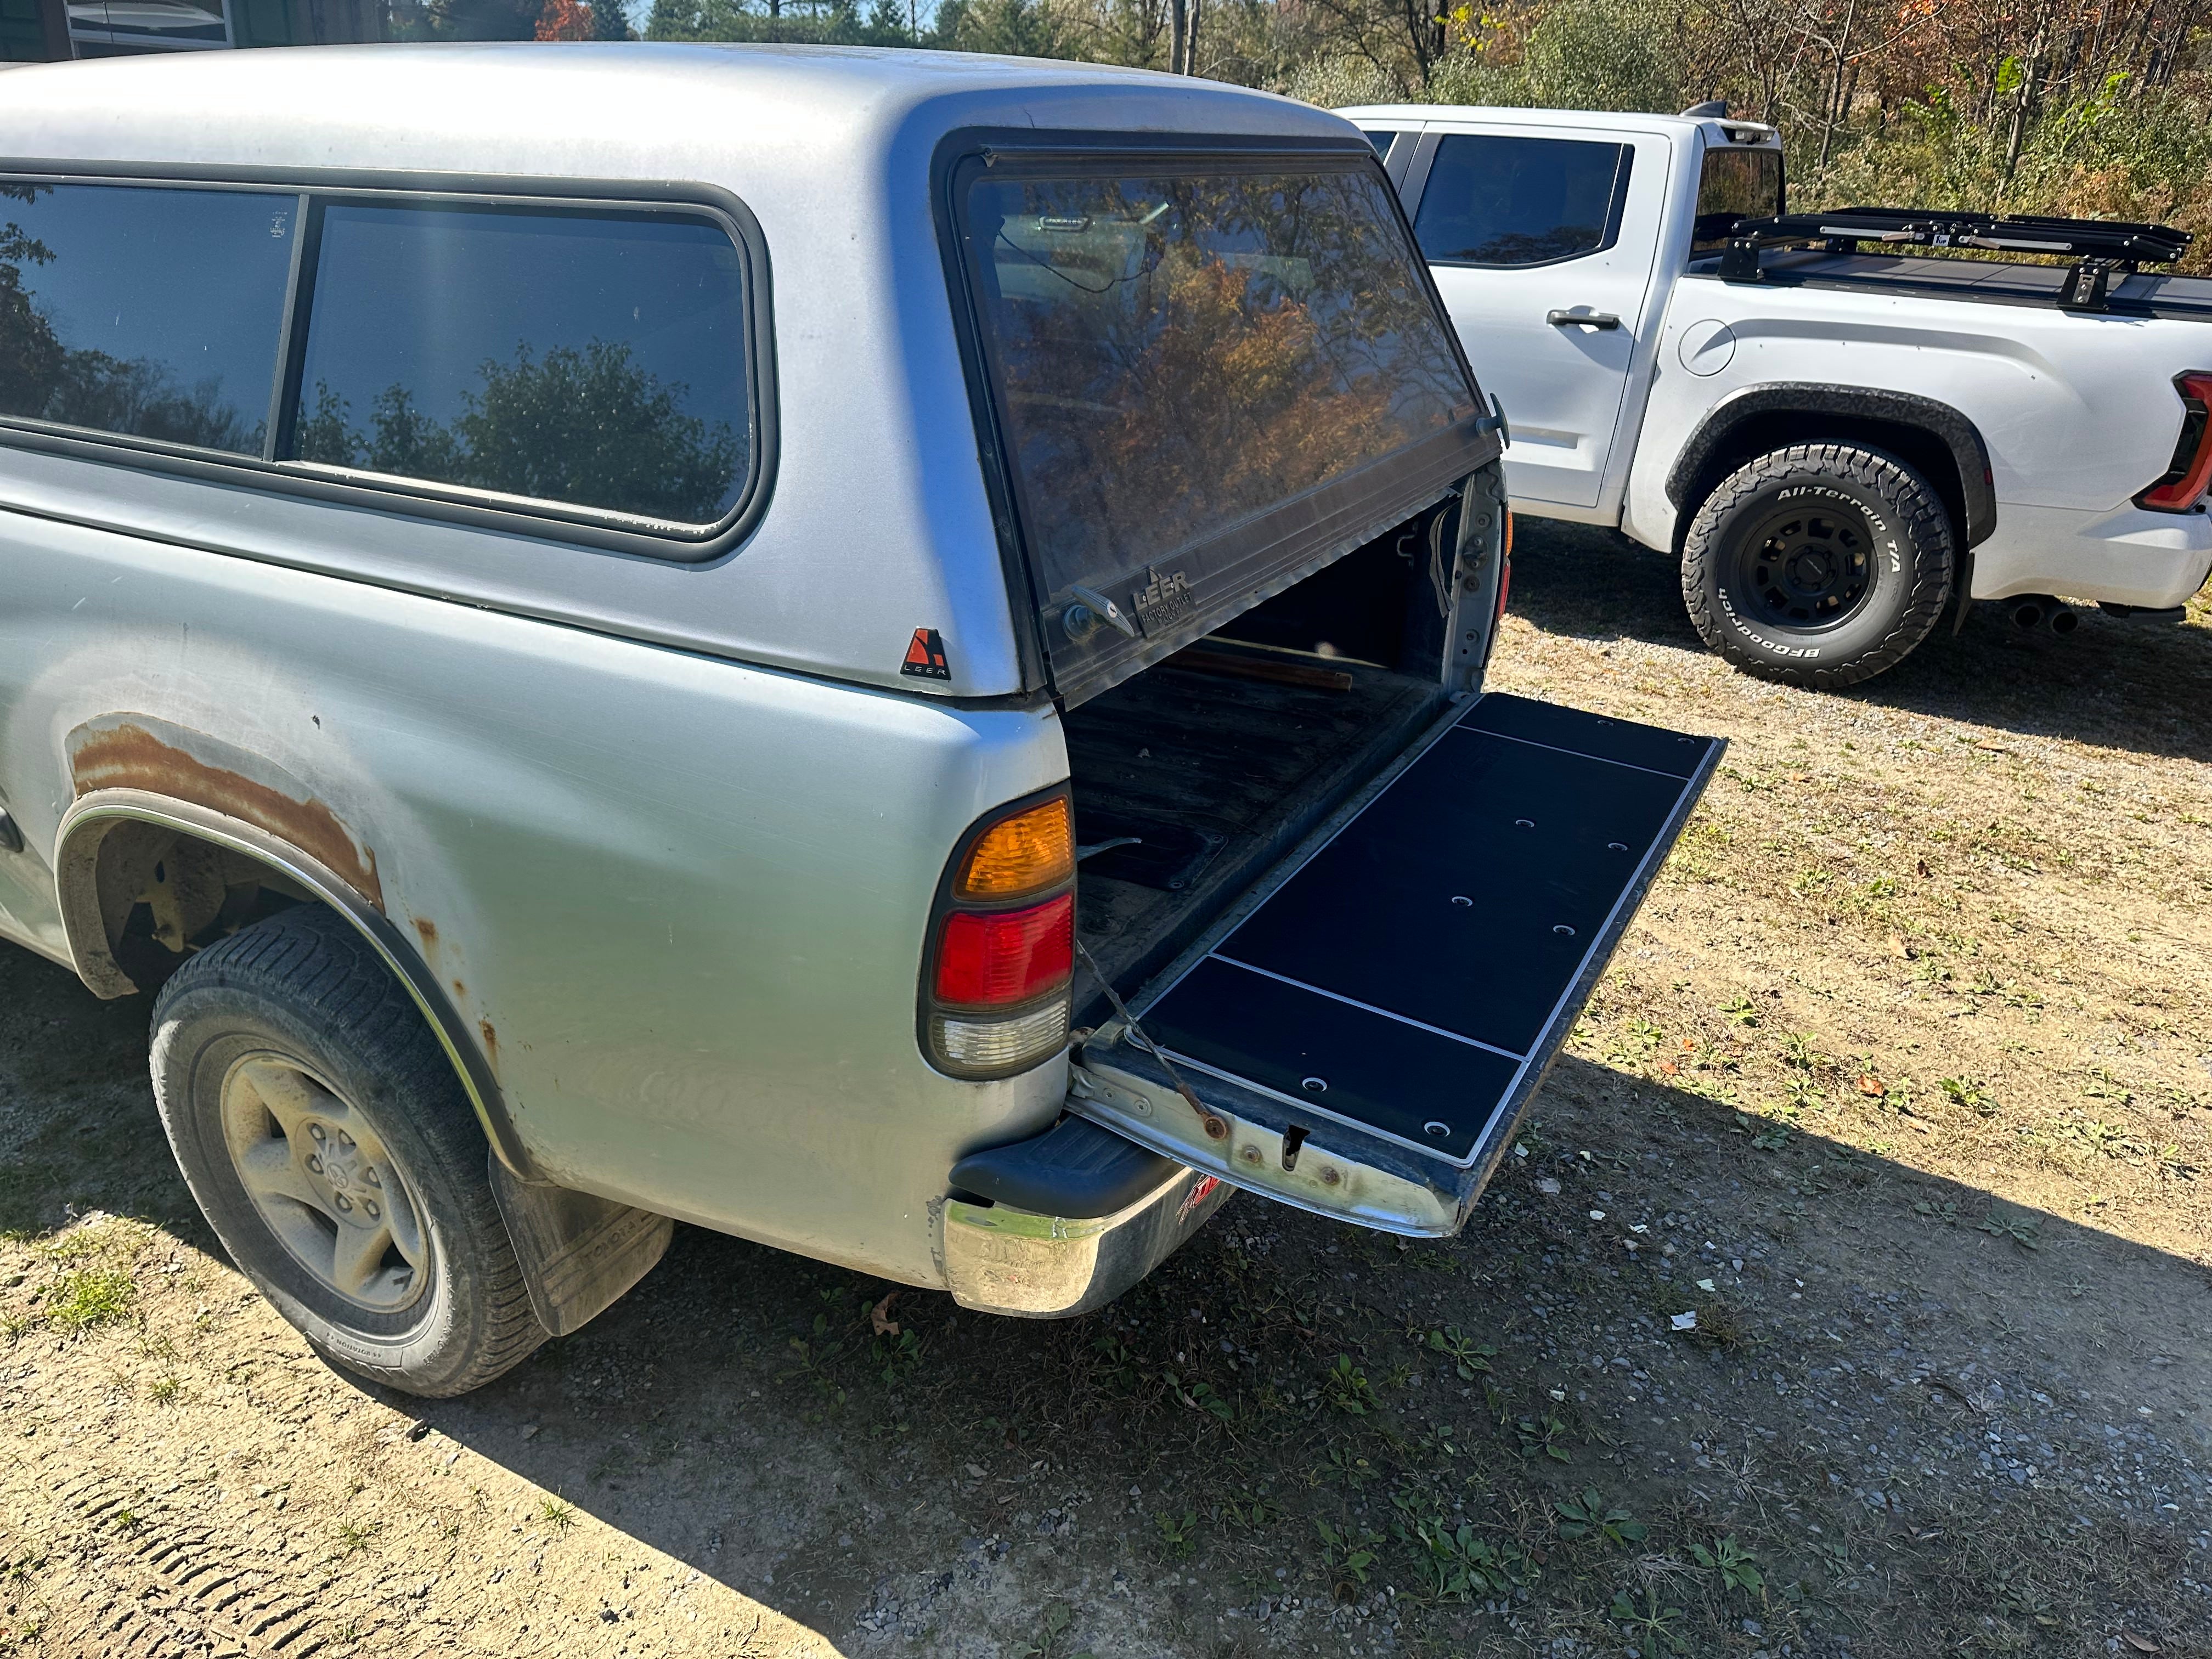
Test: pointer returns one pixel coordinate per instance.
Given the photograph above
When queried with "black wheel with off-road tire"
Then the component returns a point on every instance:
(1819, 565)
(330, 1144)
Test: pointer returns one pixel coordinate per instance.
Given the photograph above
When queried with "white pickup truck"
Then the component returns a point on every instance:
(1836, 441)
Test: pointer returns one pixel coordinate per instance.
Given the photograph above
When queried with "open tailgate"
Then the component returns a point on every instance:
(1364, 1028)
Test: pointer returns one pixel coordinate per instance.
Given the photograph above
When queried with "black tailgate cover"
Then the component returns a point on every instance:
(1416, 973)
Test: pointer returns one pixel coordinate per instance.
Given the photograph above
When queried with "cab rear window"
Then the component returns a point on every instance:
(1733, 184)
(1175, 352)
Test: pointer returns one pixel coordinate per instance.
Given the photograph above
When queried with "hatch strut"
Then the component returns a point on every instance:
(2100, 247)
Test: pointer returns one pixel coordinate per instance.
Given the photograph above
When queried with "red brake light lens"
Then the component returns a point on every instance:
(2191, 475)
(996, 959)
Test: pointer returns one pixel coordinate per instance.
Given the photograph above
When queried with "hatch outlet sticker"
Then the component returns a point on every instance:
(924, 656)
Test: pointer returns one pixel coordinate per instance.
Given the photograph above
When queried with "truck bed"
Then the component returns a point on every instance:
(1985, 282)
(1216, 774)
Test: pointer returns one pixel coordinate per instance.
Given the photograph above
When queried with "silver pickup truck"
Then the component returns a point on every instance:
(881, 652)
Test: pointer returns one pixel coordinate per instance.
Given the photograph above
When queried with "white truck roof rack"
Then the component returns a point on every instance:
(2102, 246)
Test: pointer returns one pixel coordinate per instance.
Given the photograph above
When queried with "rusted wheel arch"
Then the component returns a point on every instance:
(83, 840)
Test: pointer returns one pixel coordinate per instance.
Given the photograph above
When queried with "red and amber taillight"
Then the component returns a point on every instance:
(2190, 476)
(1002, 944)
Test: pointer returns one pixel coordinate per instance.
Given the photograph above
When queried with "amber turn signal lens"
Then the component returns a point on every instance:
(1025, 853)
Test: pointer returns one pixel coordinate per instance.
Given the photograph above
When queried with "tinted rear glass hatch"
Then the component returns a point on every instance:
(1209, 377)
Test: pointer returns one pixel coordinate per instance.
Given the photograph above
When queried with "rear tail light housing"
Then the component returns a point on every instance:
(2187, 479)
(1001, 956)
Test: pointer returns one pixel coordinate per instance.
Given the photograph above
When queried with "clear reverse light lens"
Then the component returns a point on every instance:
(1001, 1045)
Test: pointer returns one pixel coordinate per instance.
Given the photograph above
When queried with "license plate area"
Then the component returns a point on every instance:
(1384, 1003)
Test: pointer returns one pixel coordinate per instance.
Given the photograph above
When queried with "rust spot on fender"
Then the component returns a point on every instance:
(129, 756)
(491, 1044)
(460, 990)
(428, 931)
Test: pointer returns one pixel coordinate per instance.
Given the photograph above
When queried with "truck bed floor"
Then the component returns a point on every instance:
(1246, 764)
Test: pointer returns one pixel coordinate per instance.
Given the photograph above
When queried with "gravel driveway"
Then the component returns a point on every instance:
(1847, 1293)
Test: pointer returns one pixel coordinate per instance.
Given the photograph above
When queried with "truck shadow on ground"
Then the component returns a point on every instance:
(2127, 684)
(1996, 1404)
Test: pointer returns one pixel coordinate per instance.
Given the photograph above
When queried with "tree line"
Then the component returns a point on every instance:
(2101, 107)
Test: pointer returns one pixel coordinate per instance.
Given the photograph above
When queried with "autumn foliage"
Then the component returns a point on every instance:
(566, 20)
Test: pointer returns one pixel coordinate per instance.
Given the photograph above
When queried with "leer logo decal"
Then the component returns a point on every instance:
(1163, 601)
(924, 656)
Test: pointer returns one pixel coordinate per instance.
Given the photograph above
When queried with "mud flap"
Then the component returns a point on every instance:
(1367, 1025)
(579, 1254)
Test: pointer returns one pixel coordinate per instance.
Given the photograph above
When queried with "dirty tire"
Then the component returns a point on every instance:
(303, 990)
(1876, 498)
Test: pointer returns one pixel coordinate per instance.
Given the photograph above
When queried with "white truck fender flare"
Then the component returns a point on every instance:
(1977, 485)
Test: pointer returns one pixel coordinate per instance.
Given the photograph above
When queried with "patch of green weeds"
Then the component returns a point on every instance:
(1347, 1388)
(1737, 1567)
(1347, 1468)
(1801, 1095)
(1469, 1358)
(1542, 1434)
(1052, 1624)
(2102, 1086)
(354, 1536)
(1202, 1396)
(1451, 1564)
(1740, 1011)
(1799, 1054)
(1588, 1514)
(2023, 1230)
(1178, 1537)
(1652, 1627)
(1252, 1512)
(91, 1297)
(898, 1354)
(1970, 1093)
(1347, 1549)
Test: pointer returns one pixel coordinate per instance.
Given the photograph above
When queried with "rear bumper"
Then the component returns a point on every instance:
(2130, 557)
(1005, 1260)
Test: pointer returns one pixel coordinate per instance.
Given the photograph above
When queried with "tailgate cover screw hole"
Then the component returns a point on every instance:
(1616, 847)
(1316, 1085)
(1461, 898)
(1524, 823)
(1564, 929)
(1440, 1131)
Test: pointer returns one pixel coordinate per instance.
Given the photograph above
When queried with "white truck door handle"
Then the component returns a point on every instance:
(1597, 320)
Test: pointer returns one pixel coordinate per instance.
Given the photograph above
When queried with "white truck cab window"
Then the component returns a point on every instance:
(1492, 200)
(1733, 184)
(592, 358)
(151, 312)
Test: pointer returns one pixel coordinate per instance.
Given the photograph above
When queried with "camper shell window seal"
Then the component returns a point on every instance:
(608, 530)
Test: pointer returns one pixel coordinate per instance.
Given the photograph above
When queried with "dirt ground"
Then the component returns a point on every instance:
(1902, 1084)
